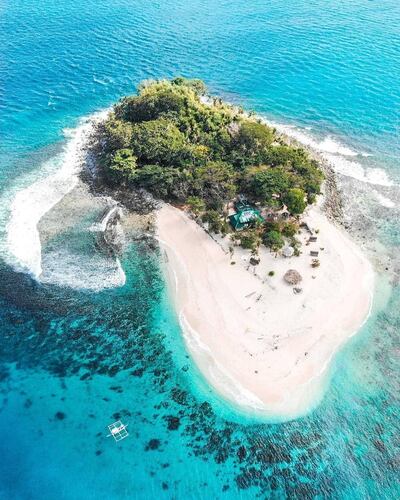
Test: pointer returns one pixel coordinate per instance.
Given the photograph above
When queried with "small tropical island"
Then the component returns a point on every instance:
(266, 287)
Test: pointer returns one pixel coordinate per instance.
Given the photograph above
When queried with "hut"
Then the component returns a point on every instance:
(246, 216)
(292, 277)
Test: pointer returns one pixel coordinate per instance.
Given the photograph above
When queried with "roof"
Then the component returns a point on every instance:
(244, 217)
(247, 215)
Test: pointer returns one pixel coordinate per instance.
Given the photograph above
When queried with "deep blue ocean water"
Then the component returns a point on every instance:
(73, 360)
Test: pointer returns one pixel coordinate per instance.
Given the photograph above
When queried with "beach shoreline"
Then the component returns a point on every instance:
(262, 347)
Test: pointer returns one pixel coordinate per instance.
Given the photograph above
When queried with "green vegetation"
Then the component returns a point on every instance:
(196, 204)
(289, 229)
(250, 239)
(216, 223)
(295, 201)
(187, 148)
(274, 240)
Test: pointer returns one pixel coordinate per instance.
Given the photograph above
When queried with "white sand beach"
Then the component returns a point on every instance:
(260, 345)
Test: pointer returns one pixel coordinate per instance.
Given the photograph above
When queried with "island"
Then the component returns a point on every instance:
(266, 287)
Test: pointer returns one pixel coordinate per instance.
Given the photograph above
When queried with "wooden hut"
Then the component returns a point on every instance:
(246, 216)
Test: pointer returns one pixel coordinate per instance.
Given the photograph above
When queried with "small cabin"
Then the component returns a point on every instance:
(245, 217)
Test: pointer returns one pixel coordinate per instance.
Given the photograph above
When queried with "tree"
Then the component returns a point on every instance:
(153, 101)
(215, 182)
(115, 134)
(273, 240)
(305, 169)
(196, 204)
(194, 83)
(251, 144)
(164, 182)
(294, 199)
(159, 141)
(266, 182)
(216, 223)
(171, 141)
(123, 165)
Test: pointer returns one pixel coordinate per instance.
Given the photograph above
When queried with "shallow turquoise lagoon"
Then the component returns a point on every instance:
(73, 360)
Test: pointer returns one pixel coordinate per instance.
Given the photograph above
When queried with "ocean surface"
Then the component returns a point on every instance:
(94, 339)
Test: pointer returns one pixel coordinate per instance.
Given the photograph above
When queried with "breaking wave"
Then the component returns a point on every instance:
(341, 157)
(58, 176)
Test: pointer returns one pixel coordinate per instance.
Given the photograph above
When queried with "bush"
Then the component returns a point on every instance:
(273, 226)
(289, 229)
(273, 240)
(250, 240)
(271, 273)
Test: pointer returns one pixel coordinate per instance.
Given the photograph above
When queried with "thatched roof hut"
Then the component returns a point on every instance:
(292, 277)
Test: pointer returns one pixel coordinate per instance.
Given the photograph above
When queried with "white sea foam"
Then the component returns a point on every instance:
(355, 170)
(327, 145)
(330, 145)
(100, 227)
(338, 155)
(385, 202)
(87, 272)
(57, 177)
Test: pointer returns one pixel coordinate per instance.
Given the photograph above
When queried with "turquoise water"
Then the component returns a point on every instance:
(73, 359)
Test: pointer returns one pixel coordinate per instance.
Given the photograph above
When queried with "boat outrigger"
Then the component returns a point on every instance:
(118, 431)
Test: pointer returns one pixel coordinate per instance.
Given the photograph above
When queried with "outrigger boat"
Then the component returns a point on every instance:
(118, 431)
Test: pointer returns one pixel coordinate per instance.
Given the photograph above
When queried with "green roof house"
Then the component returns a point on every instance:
(245, 217)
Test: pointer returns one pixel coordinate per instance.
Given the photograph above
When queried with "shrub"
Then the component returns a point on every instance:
(273, 240)
(289, 229)
(250, 240)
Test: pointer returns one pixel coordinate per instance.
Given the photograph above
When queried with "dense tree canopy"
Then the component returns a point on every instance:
(262, 183)
(185, 146)
(295, 201)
